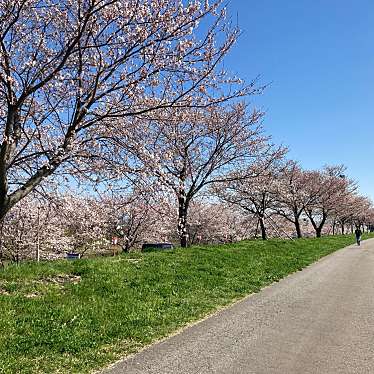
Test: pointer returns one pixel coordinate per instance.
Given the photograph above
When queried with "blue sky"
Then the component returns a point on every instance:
(318, 56)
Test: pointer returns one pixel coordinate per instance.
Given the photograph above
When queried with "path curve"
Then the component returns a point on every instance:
(319, 320)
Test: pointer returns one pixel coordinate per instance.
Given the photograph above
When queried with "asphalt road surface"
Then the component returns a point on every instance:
(319, 320)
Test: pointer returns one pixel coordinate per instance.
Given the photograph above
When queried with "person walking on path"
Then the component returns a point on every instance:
(358, 234)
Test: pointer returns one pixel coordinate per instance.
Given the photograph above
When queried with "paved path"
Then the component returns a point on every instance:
(319, 320)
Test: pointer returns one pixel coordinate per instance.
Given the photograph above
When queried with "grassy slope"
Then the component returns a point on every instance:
(50, 324)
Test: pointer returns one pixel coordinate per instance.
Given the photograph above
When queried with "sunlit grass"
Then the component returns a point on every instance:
(76, 316)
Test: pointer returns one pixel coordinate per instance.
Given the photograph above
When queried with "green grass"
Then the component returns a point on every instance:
(77, 316)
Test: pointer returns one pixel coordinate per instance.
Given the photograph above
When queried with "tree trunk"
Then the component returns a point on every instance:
(263, 228)
(297, 227)
(182, 221)
(317, 228)
(256, 232)
(4, 205)
(318, 232)
(126, 247)
(1, 242)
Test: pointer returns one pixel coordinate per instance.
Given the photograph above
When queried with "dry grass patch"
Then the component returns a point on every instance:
(34, 288)
(62, 279)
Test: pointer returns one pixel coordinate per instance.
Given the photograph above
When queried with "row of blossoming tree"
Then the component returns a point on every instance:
(118, 119)
(285, 201)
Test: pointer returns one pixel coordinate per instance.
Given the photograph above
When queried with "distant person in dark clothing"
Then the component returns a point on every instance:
(358, 234)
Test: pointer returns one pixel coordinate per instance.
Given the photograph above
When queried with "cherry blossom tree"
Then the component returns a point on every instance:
(83, 222)
(291, 194)
(344, 210)
(32, 230)
(362, 206)
(18, 234)
(212, 222)
(325, 189)
(136, 217)
(255, 194)
(189, 150)
(69, 68)
(369, 217)
(128, 219)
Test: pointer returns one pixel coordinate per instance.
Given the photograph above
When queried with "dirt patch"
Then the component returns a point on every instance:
(3, 292)
(57, 281)
(32, 295)
(39, 287)
(133, 260)
(62, 279)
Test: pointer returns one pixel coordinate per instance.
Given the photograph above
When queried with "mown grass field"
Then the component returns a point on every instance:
(77, 316)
